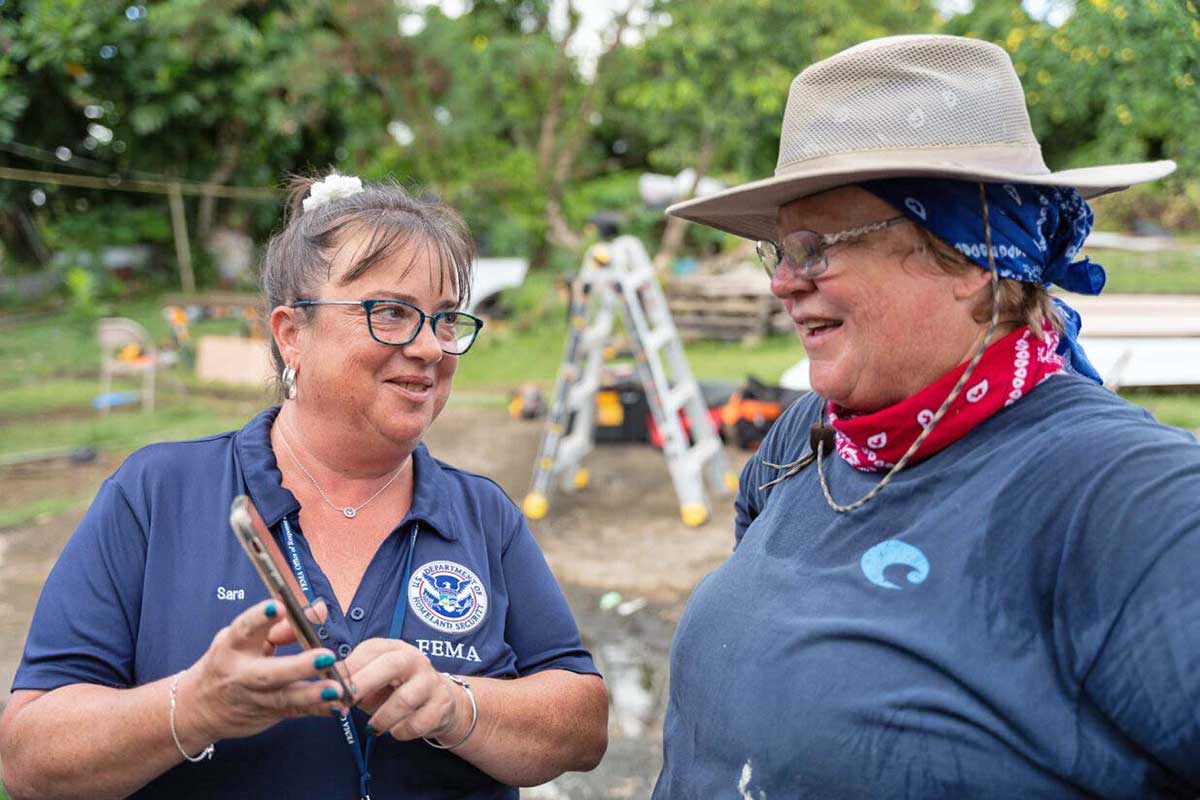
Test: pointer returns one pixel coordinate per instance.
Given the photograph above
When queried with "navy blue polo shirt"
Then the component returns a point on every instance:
(1015, 617)
(154, 571)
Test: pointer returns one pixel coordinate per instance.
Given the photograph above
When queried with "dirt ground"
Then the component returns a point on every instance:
(620, 536)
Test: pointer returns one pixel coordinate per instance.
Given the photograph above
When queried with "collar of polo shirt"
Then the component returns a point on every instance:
(431, 505)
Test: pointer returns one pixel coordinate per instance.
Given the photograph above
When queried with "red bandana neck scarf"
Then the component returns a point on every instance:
(1008, 370)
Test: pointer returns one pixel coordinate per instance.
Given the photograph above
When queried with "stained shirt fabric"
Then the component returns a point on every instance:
(1015, 617)
(154, 571)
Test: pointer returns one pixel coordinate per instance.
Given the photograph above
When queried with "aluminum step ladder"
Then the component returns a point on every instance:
(617, 280)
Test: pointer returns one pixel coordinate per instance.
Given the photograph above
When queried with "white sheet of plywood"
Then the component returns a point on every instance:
(1132, 340)
(234, 359)
(1108, 240)
(1145, 361)
(1121, 362)
(1135, 315)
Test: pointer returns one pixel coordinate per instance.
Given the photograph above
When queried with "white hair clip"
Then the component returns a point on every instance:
(333, 187)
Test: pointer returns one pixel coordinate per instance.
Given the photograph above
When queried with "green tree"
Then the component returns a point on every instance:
(1116, 81)
(491, 109)
(708, 88)
(230, 91)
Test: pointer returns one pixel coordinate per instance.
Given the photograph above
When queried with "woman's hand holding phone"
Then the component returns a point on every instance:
(282, 633)
(239, 687)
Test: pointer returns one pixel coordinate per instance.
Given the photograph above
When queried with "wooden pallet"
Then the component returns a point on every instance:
(731, 306)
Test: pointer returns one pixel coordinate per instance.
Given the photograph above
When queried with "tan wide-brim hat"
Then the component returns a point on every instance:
(917, 106)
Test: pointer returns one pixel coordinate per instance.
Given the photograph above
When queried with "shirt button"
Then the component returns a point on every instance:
(357, 613)
(322, 633)
(343, 650)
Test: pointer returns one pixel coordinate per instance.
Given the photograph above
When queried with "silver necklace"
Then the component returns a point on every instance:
(350, 512)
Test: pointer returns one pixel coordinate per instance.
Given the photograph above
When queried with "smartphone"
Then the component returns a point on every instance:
(277, 576)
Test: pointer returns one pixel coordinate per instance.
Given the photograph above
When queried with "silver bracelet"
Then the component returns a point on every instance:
(474, 716)
(204, 754)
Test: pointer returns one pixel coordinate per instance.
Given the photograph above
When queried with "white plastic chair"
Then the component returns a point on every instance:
(114, 334)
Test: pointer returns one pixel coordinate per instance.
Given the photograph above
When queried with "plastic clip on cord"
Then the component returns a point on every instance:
(818, 435)
(204, 754)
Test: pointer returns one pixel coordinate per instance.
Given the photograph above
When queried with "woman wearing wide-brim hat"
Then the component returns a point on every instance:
(963, 568)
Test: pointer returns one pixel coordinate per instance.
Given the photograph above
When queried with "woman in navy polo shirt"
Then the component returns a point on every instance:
(150, 649)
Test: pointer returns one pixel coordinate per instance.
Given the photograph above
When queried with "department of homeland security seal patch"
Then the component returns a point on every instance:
(447, 596)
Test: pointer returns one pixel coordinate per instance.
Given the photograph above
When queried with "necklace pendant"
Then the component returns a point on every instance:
(349, 512)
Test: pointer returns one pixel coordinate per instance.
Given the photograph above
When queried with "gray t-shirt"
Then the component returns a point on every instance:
(1017, 616)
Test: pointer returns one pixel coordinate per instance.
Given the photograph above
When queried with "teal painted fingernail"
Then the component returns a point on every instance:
(323, 661)
(270, 610)
(329, 693)
(371, 731)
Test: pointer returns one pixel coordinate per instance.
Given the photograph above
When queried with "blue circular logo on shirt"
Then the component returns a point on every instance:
(893, 552)
(447, 596)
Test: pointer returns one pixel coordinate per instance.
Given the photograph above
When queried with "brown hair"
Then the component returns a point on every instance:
(1020, 302)
(300, 257)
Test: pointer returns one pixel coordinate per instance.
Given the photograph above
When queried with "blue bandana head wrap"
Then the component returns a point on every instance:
(1037, 231)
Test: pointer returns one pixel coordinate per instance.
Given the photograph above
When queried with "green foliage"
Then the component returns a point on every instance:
(174, 77)
(81, 289)
(719, 72)
(616, 192)
(109, 225)
(1116, 82)
(1173, 204)
(471, 93)
(706, 89)
(483, 111)
(233, 91)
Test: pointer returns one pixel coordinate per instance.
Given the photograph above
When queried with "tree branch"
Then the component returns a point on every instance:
(570, 151)
(554, 102)
(672, 237)
(231, 150)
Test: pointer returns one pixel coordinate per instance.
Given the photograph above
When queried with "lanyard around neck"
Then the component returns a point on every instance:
(362, 756)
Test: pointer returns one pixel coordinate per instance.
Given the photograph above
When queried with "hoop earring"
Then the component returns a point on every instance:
(288, 379)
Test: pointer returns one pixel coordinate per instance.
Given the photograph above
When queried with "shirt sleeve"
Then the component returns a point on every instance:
(1132, 605)
(747, 504)
(781, 445)
(539, 627)
(84, 627)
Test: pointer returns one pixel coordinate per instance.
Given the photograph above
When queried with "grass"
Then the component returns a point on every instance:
(48, 506)
(1170, 408)
(47, 395)
(530, 347)
(1149, 273)
(126, 429)
(49, 366)
(509, 357)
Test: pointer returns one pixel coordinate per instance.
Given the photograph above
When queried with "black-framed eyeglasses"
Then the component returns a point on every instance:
(804, 252)
(396, 323)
